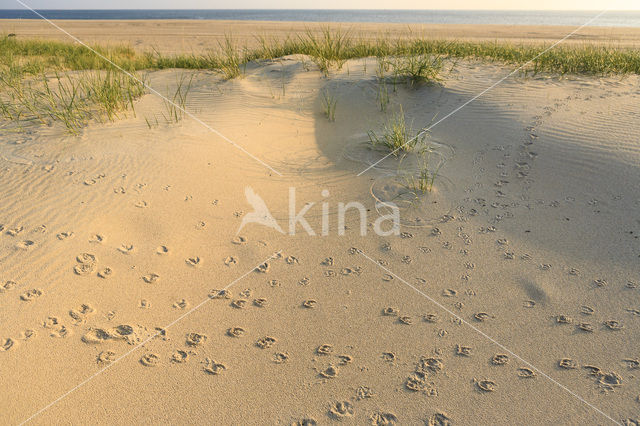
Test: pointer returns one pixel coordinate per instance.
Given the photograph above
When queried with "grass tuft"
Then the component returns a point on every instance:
(175, 105)
(396, 136)
(329, 103)
(71, 99)
(415, 69)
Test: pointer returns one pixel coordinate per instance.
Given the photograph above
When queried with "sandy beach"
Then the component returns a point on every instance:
(178, 36)
(133, 290)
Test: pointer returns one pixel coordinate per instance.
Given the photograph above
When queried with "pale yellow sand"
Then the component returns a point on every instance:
(537, 218)
(176, 36)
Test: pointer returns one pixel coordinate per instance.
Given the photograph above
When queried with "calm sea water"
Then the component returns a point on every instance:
(573, 18)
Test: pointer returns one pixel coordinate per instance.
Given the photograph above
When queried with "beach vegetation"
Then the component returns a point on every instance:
(327, 49)
(329, 103)
(175, 104)
(72, 99)
(396, 136)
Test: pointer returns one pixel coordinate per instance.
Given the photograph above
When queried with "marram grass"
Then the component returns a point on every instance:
(28, 92)
(328, 50)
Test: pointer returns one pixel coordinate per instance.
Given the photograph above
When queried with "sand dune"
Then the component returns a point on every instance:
(109, 238)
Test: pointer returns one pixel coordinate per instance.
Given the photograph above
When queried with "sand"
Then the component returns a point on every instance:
(119, 237)
(179, 36)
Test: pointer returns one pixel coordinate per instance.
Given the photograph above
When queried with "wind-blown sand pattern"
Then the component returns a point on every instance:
(108, 238)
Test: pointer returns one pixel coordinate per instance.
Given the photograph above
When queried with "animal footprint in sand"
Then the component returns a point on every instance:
(212, 367)
(390, 311)
(235, 332)
(563, 319)
(106, 357)
(587, 310)
(15, 231)
(586, 327)
(56, 328)
(341, 409)
(96, 239)
(64, 235)
(193, 261)
(7, 344)
(105, 273)
(27, 334)
(405, 319)
(151, 278)
(345, 359)
(364, 392)
(389, 357)
(280, 357)
(383, 419)
(526, 373)
(239, 303)
(292, 260)
(79, 315)
(482, 316)
(307, 421)
(196, 339)
(30, 295)
(432, 318)
(325, 349)
(439, 419)
(83, 268)
(263, 268)
(609, 381)
(568, 364)
(181, 304)
(25, 245)
(96, 335)
(8, 285)
(150, 360)
(485, 385)
(274, 283)
(230, 261)
(309, 304)
(239, 240)
(126, 248)
(330, 372)
(430, 365)
(220, 294)
(266, 342)
(86, 264)
(500, 359)
(180, 356)
(141, 204)
(162, 250)
(463, 350)
(613, 325)
(417, 382)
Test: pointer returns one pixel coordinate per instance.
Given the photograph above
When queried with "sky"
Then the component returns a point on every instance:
(330, 4)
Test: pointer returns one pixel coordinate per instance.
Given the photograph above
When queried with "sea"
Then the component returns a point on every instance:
(503, 17)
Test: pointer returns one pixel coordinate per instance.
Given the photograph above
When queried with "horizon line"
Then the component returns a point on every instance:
(341, 9)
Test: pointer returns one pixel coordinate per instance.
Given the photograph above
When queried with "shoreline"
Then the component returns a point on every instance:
(186, 36)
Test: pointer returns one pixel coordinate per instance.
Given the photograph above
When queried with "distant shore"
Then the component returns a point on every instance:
(186, 36)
